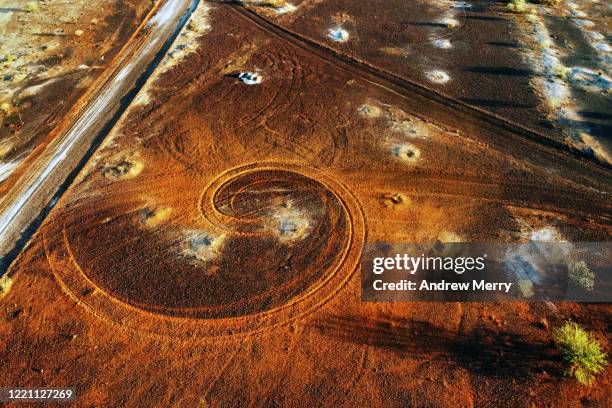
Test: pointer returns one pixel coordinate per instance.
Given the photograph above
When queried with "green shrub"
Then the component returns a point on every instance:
(266, 3)
(581, 276)
(31, 6)
(516, 6)
(5, 285)
(581, 350)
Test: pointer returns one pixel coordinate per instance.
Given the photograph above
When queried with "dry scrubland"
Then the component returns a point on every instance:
(207, 254)
(52, 52)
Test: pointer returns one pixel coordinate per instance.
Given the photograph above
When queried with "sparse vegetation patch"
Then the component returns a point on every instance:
(581, 276)
(516, 6)
(582, 351)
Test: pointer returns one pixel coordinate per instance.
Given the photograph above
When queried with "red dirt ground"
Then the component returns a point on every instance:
(35, 119)
(208, 253)
(485, 54)
(484, 61)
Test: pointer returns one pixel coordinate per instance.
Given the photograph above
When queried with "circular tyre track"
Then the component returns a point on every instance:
(293, 237)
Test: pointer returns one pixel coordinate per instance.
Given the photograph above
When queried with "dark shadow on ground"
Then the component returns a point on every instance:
(439, 25)
(504, 44)
(508, 71)
(595, 115)
(490, 103)
(603, 131)
(496, 354)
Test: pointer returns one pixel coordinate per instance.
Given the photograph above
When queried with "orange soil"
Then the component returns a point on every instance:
(223, 272)
(69, 69)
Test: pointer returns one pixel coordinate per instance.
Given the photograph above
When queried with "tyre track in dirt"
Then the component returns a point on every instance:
(24, 208)
(500, 133)
(511, 192)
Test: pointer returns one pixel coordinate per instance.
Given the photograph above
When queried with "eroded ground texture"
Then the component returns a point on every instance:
(546, 68)
(51, 53)
(207, 255)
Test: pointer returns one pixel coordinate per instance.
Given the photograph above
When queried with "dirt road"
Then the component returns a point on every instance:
(35, 190)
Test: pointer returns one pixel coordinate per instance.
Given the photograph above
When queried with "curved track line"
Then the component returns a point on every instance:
(438, 107)
(65, 156)
(129, 316)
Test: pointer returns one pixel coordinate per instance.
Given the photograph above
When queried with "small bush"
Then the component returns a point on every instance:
(5, 285)
(277, 3)
(31, 6)
(526, 287)
(532, 18)
(266, 3)
(581, 350)
(563, 73)
(581, 276)
(516, 6)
